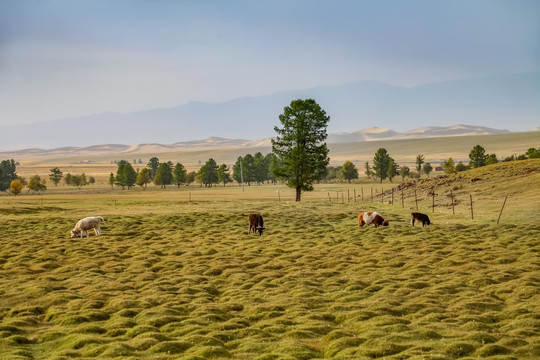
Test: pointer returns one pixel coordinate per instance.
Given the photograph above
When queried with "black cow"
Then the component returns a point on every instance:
(423, 218)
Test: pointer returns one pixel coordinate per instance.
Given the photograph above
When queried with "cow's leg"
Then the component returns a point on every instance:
(412, 220)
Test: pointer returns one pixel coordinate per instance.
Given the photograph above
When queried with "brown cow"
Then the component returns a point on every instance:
(256, 223)
(423, 218)
(371, 217)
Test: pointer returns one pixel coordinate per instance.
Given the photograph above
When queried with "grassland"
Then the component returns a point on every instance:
(403, 151)
(175, 275)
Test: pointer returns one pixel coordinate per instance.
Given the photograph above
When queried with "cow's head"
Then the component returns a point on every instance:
(74, 233)
(260, 230)
(385, 223)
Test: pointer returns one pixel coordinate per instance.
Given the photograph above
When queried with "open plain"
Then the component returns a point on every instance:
(175, 275)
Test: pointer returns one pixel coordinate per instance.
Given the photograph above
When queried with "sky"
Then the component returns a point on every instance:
(66, 58)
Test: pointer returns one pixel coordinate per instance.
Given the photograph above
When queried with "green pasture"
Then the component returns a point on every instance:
(175, 274)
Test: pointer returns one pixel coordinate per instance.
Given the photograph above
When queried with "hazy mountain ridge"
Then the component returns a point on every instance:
(369, 134)
(506, 101)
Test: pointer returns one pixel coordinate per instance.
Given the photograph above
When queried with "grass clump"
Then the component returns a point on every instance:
(493, 350)
(170, 347)
(334, 347)
(459, 349)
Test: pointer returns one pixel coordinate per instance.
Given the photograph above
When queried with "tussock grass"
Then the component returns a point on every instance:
(184, 280)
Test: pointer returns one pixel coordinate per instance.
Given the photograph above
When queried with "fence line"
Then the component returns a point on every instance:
(433, 204)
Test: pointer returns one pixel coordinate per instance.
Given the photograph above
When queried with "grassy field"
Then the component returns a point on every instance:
(175, 275)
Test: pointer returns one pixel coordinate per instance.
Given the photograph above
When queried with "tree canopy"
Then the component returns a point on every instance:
(164, 174)
(36, 184)
(381, 164)
(348, 171)
(449, 166)
(16, 186)
(393, 169)
(153, 164)
(224, 174)
(208, 174)
(7, 173)
(179, 174)
(143, 178)
(56, 175)
(477, 157)
(125, 174)
(419, 162)
(300, 145)
(427, 169)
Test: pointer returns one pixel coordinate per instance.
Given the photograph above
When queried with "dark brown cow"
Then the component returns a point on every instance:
(256, 223)
(423, 218)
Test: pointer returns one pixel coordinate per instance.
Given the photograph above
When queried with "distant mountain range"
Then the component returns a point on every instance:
(370, 134)
(504, 102)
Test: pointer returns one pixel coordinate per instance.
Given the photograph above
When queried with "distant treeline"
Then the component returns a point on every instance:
(249, 169)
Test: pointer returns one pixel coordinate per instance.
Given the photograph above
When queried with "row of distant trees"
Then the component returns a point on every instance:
(249, 168)
(9, 180)
(167, 173)
(79, 180)
(256, 168)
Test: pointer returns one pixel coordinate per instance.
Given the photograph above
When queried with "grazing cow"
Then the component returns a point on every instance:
(256, 223)
(423, 218)
(84, 225)
(371, 217)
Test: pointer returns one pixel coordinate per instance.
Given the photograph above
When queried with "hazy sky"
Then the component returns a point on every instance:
(62, 58)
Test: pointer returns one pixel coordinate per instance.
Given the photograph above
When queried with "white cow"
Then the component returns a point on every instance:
(84, 225)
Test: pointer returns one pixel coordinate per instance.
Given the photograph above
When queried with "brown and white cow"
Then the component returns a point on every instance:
(371, 217)
(256, 223)
(423, 218)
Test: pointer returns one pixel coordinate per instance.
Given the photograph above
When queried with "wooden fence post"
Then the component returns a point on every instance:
(433, 202)
(362, 190)
(342, 200)
(416, 199)
(392, 196)
(329, 199)
(506, 197)
(472, 213)
(452, 197)
(371, 194)
(402, 200)
(278, 197)
(382, 195)
(354, 190)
